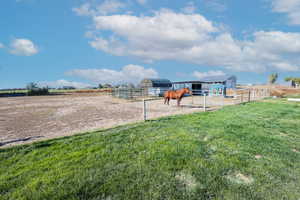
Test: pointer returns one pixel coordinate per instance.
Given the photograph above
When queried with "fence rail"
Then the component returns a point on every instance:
(201, 100)
(140, 93)
(131, 93)
(134, 93)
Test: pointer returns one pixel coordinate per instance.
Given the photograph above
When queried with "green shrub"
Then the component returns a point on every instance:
(38, 91)
(34, 90)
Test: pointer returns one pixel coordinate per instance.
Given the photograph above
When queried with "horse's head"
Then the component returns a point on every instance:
(187, 91)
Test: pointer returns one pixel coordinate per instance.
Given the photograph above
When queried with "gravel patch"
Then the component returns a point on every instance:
(28, 119)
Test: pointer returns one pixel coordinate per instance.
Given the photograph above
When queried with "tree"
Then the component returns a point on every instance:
(33, 89)
(294, 81)
(107, 85)
(287, 79)
(31, 85)
(273, 78)
(100, 86)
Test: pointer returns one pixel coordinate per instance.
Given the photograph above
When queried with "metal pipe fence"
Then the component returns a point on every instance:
(201, 100)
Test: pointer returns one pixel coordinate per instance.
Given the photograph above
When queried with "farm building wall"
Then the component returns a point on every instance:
(156, 87)
(157, 91)
(231, 82)
(156, 83)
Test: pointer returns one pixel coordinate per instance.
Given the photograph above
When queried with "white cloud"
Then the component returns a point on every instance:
(1, 45)
(62, 83)
(215, 5)
(84, 10)
(152, 38)
(167, 35)
(272, 50)
(142, 2)
(192, 38)
(289, 7)
(23, 47)
(189, 8)
(110, 6)
(106, 7)
(128, 74)
(201, 75)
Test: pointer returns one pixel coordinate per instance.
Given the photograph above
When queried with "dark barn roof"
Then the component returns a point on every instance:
(155, 82)
(158, 80)
(210, 79)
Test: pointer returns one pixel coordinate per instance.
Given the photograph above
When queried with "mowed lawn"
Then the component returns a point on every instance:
(249, 151)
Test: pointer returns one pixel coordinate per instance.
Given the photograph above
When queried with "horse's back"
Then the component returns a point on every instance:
(170, 94)
(167, 94)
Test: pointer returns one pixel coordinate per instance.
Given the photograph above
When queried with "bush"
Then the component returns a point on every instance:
(38, 91)
(34, 90)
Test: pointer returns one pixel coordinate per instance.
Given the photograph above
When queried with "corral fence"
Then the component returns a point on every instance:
(201, 100)
(247, 95)
(129, 93)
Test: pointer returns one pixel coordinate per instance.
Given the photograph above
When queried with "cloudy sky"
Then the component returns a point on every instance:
(85, 42)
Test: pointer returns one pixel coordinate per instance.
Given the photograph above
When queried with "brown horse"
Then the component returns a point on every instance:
(177, 94)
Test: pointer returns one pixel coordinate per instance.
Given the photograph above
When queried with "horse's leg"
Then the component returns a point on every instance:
(168, 100)
(179, 100)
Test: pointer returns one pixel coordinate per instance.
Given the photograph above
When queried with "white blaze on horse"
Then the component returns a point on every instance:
(176, 94)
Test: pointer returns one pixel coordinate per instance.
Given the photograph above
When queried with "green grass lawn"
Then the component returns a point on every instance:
(248, 151)
(294, 96)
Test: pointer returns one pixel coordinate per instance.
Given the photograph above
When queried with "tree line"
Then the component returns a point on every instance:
(294, 80)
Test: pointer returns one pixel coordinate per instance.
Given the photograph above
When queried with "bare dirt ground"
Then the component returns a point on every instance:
(276, 90)
(28, 119)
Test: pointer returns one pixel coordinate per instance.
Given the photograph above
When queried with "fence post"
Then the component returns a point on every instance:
(242, 97)
(223, 99)
(144, 110)
(249, 94)
(192, 99)
(204, 103)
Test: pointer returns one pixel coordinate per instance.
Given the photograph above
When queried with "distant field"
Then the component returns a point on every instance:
(12, 91)
(248, 151)
(78, 90)
(54, 91)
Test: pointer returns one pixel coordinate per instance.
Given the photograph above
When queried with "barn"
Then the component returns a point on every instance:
(212, 85)
(156, 87)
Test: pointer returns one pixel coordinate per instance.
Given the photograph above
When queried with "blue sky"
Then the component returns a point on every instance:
(83, 43)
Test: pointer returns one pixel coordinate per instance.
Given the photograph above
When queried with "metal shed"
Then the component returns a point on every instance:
(208, 85)
(156, 87)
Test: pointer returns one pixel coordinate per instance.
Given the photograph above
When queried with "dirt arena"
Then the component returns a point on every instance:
(28, 119)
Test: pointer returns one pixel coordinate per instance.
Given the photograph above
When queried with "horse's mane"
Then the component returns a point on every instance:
(181, 92)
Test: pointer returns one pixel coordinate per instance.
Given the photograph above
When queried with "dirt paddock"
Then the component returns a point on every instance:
(28, 119)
